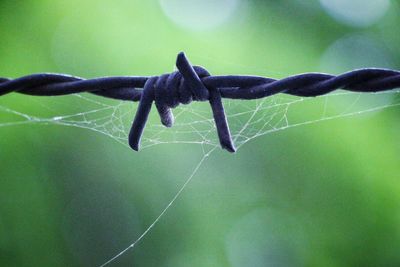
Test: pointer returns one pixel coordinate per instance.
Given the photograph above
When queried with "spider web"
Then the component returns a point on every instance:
(194, 125)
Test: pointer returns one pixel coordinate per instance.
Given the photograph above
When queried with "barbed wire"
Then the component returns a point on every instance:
(194, 83)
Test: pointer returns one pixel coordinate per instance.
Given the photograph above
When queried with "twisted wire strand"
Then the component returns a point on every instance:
(193, 83)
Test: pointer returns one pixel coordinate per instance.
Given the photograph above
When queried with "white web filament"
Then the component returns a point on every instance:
(194, 124)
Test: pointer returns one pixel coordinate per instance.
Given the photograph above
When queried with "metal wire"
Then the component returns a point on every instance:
(193, 83)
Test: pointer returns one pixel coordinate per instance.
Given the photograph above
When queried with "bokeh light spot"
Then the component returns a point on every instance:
(354, 52)
(199, 15)
(358, 13)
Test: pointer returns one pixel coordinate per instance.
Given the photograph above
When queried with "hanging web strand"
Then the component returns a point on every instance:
(194, 124)
(163, 212)
(248, 121)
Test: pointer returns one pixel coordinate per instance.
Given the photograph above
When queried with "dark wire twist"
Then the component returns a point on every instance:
(193, 83)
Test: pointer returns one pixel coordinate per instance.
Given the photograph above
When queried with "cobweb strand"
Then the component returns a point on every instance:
(194, 124)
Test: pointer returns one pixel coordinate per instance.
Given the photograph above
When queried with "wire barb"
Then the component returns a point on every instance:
(193, 83)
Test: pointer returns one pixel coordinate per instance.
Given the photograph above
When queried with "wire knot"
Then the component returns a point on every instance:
(180, 87)
(173, 89)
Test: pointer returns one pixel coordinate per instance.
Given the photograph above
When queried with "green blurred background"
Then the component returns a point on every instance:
(323, 194)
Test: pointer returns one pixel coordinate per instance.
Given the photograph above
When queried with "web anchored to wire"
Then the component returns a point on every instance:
(247, 119)
(193, 83)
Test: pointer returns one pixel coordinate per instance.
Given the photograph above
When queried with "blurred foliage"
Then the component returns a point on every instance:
(325, 194)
